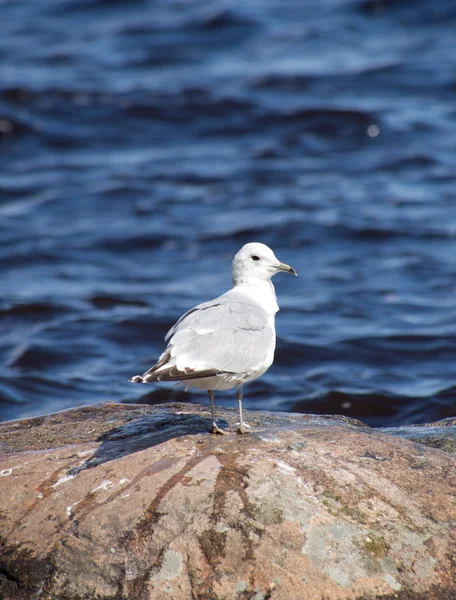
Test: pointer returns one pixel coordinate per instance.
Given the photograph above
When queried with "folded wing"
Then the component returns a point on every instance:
(227, 335)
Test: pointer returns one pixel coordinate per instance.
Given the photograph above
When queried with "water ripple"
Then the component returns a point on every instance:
(143, 142)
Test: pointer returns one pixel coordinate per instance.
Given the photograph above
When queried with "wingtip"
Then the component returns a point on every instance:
(136, 379)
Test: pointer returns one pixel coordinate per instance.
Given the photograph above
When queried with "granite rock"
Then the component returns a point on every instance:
(136, 502)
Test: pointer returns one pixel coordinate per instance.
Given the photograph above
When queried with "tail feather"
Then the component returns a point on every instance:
(151, 374)
(163, 371)
(174, 374)
(145, 378)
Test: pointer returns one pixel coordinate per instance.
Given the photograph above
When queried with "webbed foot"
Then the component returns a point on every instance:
(215, 429)
(242, 429)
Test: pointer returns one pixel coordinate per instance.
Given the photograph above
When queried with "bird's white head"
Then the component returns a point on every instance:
(256, 261)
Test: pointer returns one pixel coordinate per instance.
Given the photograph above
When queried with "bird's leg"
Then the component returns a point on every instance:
(214, 428)
(242, 426)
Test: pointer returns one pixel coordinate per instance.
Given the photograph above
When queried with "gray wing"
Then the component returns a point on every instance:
(226, 335)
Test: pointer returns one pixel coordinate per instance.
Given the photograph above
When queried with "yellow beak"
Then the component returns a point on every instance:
(287, 269)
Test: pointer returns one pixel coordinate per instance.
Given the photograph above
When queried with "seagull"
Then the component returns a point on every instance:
(228, 341)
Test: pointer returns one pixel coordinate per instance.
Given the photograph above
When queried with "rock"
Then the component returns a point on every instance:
(137, 502)
(441, 434)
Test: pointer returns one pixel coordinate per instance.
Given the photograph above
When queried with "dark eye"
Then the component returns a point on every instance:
(255, 257)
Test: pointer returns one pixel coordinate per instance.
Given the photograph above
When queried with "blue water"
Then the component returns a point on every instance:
(142, 143)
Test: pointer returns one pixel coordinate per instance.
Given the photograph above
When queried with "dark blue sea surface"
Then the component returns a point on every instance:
(143, 142)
